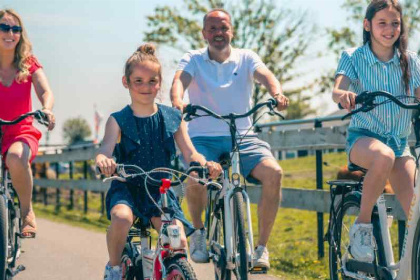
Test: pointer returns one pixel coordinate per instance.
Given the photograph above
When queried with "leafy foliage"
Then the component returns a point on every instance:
(279, 35)
(76, 130)
(348, 36)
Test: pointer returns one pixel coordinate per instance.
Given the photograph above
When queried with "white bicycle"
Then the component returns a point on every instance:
(345, 207)
(228, 214)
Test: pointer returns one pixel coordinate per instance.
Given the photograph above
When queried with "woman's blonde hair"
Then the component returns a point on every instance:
(23, 49)
(145, 52)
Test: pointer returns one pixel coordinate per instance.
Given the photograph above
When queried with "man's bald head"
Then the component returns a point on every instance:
(216, 12)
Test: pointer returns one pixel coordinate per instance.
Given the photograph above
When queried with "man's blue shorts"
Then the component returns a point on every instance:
(251, 150)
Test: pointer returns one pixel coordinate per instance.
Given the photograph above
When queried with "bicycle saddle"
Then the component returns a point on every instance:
(353, 167)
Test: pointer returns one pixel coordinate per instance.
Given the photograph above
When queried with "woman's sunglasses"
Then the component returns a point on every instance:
(6, 28)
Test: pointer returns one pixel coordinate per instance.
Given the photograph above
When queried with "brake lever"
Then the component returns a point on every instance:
(42, 118)
(273, 112)
(187, 117)
(118, 178)
(354, 112)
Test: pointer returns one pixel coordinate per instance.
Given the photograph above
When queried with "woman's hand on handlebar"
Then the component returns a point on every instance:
(214, 169)
(105, 164)
(347, 100)
(50, 117)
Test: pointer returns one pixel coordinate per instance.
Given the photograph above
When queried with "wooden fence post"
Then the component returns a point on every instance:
(85, 176)
(319, 186)
(57, 198)
(71, 205)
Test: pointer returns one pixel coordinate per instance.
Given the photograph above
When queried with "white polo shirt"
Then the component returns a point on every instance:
(222, 87)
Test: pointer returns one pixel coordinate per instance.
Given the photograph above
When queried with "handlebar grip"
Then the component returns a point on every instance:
(187, 109)
(340, 107)
(273, 102)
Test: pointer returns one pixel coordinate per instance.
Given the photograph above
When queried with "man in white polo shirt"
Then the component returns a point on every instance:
(221, 78)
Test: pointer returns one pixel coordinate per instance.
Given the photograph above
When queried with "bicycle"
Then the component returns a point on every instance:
(345, 207)
(167, 261)
(229, 230)
(10, 220)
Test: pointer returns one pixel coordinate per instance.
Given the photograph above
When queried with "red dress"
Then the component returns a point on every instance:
(16, 100)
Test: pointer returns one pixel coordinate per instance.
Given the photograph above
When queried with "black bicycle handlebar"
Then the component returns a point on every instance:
(191, 110)
(40, 116)
(367, 99)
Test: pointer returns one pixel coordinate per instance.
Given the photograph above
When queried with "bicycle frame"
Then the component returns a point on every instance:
(168, 244)
(404, 265)
(412, 221)
(231, 187)
(229, 221)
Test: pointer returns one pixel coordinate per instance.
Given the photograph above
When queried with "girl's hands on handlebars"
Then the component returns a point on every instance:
(214, 169)
(347, 100)
(105, 164)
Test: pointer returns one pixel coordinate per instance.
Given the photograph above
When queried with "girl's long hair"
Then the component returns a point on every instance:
(23, 49)
(402, 42)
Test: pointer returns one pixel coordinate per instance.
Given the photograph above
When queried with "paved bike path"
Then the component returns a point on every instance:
(63, 252)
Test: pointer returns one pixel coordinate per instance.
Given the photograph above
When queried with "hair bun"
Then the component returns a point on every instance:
(147, 49)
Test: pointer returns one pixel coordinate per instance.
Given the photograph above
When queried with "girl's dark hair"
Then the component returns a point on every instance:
(145, 52)
(402, 42)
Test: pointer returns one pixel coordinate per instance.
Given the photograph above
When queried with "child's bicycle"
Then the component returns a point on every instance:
(10, 220)
(345, 207)
(168, 260)
(228, 214)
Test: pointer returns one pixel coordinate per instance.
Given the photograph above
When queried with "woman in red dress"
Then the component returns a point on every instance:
(19, 70)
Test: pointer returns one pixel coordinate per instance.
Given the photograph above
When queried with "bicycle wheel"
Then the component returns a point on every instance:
(3, 238)
(217, 244)
(178, 268)
(347, 212)
(415, 259)
(131, 269)
(239, 241)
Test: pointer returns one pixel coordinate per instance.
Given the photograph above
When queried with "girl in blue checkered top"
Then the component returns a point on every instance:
(147, 133)
(377, 140)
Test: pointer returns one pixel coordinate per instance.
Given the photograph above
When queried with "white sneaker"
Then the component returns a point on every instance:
(112, 272)
(261, 257)
(362, 243)
(198, 246)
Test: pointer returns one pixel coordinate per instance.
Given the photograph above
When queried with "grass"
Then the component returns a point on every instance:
(293, 242)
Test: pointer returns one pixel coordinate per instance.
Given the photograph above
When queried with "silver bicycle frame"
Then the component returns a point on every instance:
(404, 265)
(229, 221)
(412, 221)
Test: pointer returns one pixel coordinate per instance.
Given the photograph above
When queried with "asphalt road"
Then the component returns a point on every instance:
(63, 252)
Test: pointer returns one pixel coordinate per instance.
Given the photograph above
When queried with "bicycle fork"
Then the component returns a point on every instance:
(229, 220)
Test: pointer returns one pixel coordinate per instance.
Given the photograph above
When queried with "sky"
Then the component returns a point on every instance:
(83, 45)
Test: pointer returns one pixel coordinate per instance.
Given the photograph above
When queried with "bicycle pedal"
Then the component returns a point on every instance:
(258, 270)
(13, 273)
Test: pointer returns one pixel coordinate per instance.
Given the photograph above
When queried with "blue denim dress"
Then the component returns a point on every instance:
(147, 142)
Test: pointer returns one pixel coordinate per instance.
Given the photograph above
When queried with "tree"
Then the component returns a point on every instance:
(350, 35)
(76, 130)
(279, 35)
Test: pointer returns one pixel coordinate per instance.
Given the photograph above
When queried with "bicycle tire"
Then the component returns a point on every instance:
(178, 268)
(131, 267)
(3, 238)
(415, 259)
(217, 243)
(346, 212)
(240, 241)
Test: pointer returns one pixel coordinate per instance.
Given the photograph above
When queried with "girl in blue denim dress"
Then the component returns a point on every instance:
(377, 140)
(147, 133)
